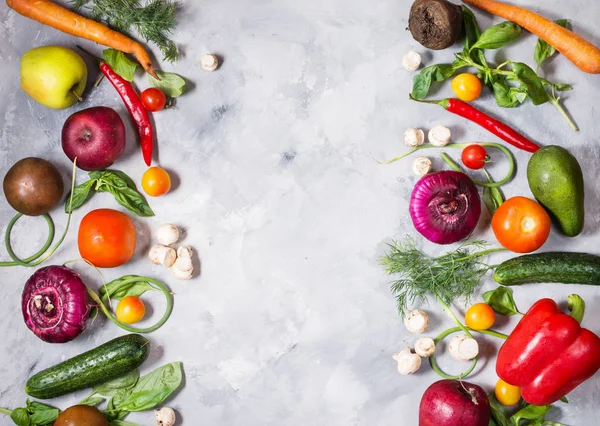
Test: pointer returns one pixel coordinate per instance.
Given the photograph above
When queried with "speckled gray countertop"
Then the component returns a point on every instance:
(291, 321)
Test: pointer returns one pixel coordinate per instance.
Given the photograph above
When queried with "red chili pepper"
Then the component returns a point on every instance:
(498, 128)
(136, 109)
(548, 354)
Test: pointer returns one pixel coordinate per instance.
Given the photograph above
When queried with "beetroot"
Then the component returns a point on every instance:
(55, 304)
(454, 403)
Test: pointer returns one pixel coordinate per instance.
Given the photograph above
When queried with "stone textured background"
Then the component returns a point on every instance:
(291, 321)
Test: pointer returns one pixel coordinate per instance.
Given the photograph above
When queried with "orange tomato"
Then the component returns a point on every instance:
(507, 394)
(480, 316)
(466, 87)
(130, 310)
(106, 238)
(521, 225)
(156, 182)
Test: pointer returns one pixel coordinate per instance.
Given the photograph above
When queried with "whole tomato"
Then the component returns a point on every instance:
(466, 87)
(106, 238)
(130, 310)
(156, 181)
(153, 99)
(521, 225)
(474, 157)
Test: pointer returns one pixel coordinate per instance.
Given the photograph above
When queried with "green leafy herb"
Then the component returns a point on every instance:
(154, 20)
(434, 73)
(117, 290)
(499, 412)
(170, 83)
(115, 182)
(530, 82)
(508, 96)
(92, 401)
(121, 423)
(498, 36)
(543, 50)
(120, 63)
(151, 390)
(20, 416)
(576, 306)
(447, 277)
(34, 414)
(501, 300)
(530, 412)
(124, 382)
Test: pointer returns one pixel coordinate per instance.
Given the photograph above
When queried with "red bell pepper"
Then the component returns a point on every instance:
(548, 354)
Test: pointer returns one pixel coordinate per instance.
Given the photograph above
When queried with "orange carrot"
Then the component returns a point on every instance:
(49, 13)
(575, 48)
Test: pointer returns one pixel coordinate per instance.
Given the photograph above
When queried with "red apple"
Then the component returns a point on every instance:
(96, 136)
(454, 403)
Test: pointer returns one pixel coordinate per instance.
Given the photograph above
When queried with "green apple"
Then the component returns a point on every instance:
(54, 76)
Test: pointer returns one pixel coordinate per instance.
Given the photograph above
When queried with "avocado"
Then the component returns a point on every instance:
(556, 181)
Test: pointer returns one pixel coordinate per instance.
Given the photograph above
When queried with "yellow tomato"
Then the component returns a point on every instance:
(507, 394)
(130, 310)
(480, 316)
(466, 87)
(156, 182)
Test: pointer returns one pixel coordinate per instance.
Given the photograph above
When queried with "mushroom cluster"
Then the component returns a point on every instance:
(179, 262)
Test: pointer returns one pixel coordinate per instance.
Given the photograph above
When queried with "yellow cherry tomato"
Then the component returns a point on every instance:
(480, 316)
(466, 87)
(156, 182)
(507, 394)
(130, 310)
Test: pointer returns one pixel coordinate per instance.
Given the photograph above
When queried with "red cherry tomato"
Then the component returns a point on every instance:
(474, 157)
(153, 99)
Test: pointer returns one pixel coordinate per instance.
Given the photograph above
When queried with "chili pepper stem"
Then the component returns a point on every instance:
(90, 54)
(442, 102)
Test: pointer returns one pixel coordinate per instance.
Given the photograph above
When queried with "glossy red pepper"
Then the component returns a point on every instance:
(136, 109)
(548, 354)
(503, 131)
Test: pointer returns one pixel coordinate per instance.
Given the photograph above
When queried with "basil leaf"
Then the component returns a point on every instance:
(501, 301)
(20, 416)
(170, 83)
(151, 390)
(564, 399)
(120, 63)
(507, 96)
(44, 417)
(543, 50)
(117, 290)
(498, 36)
(530, 412)
(81, 194)
(433, 73)
(530, 82)
(121, 423)
(124, 382)
(499, 412)
(470, 28)
(92, 401)
(123, 189)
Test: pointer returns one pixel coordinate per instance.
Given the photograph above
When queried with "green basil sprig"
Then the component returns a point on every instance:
(33, 414)
(498, 36)
(543, 50)
(170, 83)
(120, 63)
(527, 415)
(501, 301)
(117, 290)
(118, 184)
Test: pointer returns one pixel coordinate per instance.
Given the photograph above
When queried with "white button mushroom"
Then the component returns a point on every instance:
(422, 166)
(414, 137)
(408, 363)
(165, 416)
(183, 268)
(411, 61)
(439, 136)
(425, 347)
(416, 321)
(162, 255)
(209, 62)
(167, 234)
(463, 348)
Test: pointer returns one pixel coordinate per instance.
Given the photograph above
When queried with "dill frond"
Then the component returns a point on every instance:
(453, 275)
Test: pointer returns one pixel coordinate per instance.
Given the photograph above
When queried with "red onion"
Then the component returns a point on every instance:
(55, 304)
(445, 206)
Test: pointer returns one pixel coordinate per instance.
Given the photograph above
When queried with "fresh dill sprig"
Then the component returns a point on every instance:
(448, 277)
(153, 21)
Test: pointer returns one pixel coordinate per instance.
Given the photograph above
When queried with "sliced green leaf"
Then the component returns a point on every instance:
(498, 36)
(20, 417)
(81, 194)
(117, 290)
(151, 390)
(120, 63)
(543, 50)
(170, 83)
(124, 382)
(501, 301)
(530, 412)
(530, 82)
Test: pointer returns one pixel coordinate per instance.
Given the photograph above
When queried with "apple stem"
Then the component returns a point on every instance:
(77, 96)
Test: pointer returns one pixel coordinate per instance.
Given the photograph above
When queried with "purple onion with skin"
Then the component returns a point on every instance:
(55, 304)
(445, 207)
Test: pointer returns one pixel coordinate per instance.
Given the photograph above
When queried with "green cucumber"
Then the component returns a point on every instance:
(106, 362)
(551, 267)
